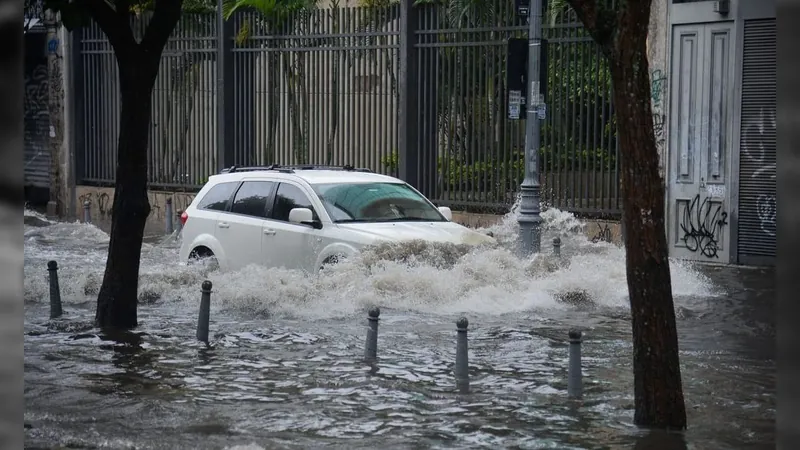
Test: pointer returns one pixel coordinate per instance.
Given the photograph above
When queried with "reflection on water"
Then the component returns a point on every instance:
(284, 369)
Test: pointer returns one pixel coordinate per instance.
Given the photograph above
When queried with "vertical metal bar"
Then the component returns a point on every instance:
(408, 87)
(585, 174)
(606, 154)
(581, 122)
(373, 113)
(598, 199)
(78, 106)
(224, 73)
(575, 72)
(381, 110)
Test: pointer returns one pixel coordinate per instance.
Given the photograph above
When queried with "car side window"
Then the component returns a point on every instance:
(290, 196)
(216, 199)
(251, 198)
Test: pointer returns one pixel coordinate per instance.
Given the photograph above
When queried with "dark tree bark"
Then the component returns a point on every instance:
(138, 64)
(621, 31)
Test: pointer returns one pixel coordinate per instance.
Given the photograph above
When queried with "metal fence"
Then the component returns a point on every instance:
(419, 94)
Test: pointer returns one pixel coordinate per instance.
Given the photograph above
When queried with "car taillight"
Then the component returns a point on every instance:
(184, 218)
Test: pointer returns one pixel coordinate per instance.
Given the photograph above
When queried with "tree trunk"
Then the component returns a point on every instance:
(657, 376)
(117, 300)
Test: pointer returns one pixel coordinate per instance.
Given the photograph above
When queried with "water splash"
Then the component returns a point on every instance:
(414, 277)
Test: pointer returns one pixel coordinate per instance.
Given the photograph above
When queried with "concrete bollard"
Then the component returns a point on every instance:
(371, 348)
(462, 356)
(55, 290)
(87, 212)
(557, 246)
(574, 377)
(205, 312)
(178, 223)
(168, 214)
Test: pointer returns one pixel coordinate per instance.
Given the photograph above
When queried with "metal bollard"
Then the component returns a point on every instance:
(205, 312)
(462, 356)
(55, 290)
(371, 348)
(87, 212)
(557, 246)
(574, 377)
(168, 213)
(178, 223)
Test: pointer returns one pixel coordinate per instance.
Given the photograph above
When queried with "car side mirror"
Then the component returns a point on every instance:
(303, 216)
(446, 212)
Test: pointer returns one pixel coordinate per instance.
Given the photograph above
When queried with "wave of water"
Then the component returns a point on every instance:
(429, 279)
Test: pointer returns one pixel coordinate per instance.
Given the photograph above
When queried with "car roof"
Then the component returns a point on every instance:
(311, 176)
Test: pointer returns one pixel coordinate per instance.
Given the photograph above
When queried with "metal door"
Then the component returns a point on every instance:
(757, 212)
(700, 141)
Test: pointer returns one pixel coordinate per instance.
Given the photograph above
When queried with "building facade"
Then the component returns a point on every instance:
(715, 106)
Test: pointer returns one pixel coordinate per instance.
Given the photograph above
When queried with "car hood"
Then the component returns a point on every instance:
(428, 231)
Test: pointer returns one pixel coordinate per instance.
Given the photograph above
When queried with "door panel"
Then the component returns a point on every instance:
(239, 230)
(701, 100)
(289, 245)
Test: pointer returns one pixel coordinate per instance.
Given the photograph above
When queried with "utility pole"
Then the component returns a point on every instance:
(530, 220)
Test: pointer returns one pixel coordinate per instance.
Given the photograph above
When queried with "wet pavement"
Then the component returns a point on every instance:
(285, 367)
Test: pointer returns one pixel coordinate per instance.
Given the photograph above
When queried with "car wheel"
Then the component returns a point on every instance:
(204, 257)
(330, 261)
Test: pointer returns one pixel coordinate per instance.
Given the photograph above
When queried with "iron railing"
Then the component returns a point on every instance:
(323, 87)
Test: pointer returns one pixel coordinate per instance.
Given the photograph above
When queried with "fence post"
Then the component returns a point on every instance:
(574, 376)
(178, 223)
(87, 211)
(225, 91)
(168, 215)
(462, 356)
(408, 88)
(55, 290)
(371, 349)
(205, 312)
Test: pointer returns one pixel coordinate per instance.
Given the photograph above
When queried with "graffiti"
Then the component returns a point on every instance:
(766, 208)
(658, 87)
(756, 146)
(99, 201)
(702, 225)
(754, 139)
(36, 93)
(603, 233)
(155, 205)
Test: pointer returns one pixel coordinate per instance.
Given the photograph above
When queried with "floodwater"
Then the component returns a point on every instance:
(285, 368)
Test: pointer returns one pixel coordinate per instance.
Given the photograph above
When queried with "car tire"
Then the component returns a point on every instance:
(331, 260)
(205, 258)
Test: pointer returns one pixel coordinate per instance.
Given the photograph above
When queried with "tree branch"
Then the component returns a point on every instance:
(119, 33)
(165, 17)
(599, 18)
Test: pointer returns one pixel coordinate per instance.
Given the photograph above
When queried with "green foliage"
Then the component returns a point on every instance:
(270, 9)
(75, 14)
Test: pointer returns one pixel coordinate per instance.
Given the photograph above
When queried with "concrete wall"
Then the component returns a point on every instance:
(102, 198)
(658, 57)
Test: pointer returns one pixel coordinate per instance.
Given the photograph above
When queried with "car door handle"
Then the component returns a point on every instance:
(223, 225)
(269, 232)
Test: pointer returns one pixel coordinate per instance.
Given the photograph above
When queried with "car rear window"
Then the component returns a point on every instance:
(216, 199)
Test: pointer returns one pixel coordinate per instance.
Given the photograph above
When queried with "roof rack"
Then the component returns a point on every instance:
(292, 169)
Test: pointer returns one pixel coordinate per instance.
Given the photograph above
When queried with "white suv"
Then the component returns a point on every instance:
(304, 217)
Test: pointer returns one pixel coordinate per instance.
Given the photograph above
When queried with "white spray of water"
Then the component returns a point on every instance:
(485, 281)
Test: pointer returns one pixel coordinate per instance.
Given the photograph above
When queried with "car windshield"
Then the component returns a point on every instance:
(375, 202)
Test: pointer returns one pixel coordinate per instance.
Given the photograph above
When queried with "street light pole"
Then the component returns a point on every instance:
(529, 218)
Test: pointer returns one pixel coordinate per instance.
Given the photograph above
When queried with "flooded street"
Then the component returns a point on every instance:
(286, 370)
